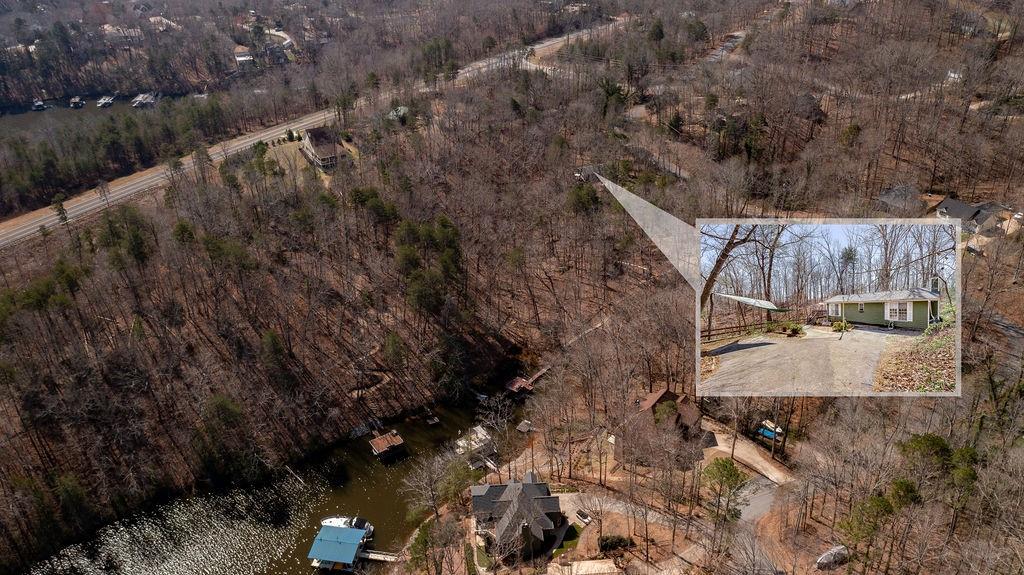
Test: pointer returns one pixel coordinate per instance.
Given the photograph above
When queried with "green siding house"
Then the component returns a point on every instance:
(908, 309)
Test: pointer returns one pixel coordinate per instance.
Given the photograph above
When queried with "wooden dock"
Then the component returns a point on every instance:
(374, 555)
(520, 385)
(389, 444)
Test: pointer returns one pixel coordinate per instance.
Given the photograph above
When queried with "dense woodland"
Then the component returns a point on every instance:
(380, 48)
(251, 302)
(187, 340)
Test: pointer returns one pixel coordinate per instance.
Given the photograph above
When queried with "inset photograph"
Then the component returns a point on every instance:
(829, 308)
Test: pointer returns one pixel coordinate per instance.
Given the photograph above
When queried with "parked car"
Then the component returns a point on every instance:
(583, 517)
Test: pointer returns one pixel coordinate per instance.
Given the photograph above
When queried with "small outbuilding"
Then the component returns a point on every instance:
(243, 56)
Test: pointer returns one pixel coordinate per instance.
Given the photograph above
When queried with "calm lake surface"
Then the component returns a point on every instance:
(58, 114)
(267, 530)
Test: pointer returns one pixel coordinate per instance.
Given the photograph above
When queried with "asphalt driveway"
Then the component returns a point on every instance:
(821, 363)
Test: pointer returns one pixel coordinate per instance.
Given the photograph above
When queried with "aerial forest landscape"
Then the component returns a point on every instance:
(296, 287)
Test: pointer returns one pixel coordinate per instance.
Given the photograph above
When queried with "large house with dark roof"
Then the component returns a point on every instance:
(518, 516)
(975, 218)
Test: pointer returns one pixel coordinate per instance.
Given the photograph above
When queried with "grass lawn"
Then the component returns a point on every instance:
(570, 541)
(483, 558)
(468, 555)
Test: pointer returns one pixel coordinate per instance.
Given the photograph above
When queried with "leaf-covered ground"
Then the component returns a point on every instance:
(924, 364)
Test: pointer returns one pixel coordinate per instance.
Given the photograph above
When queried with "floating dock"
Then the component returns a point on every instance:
(387, 445)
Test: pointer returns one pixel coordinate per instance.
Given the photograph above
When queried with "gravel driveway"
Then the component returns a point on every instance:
(820, 363)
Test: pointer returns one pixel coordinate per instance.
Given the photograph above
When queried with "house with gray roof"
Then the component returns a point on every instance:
(518, 517)
(912, 308)
(984, 217)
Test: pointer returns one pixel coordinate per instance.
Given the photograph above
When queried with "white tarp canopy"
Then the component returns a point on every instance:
(760, 303)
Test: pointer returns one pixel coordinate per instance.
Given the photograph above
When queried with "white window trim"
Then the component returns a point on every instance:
(834, 309)
(892, 311)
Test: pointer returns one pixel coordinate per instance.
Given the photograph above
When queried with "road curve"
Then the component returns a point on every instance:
(23, 227)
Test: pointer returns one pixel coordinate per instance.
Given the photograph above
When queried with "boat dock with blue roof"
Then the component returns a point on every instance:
(339, 548)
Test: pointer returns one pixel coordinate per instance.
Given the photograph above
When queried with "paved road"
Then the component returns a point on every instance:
(28, 225)
(758, 495)
(819, 364)
(748, 452)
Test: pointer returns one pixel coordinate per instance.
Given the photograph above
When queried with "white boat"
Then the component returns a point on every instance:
(144, 100)
(104, 102)
(38, 105)
(353, 522)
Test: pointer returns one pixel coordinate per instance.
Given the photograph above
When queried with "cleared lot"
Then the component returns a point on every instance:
(820, 363)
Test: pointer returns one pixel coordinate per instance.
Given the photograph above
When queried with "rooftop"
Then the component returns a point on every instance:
(759, 303)
(514, 504)
(385, 442)
(913, 294)
(112, 31)
(337, 544)
(689, 413)
(323, 141)
(953, 208)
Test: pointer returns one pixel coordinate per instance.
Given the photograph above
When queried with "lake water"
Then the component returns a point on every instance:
(267, 530)
(58, 114)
